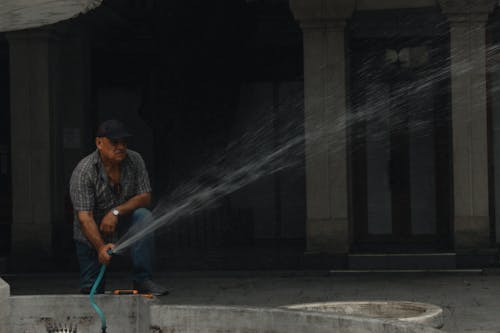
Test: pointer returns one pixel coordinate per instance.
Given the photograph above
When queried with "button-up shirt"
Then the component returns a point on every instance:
(91, 190)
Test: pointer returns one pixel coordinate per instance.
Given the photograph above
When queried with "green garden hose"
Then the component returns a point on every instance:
(91, 296)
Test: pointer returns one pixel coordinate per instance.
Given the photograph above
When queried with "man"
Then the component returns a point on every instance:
(110, 190)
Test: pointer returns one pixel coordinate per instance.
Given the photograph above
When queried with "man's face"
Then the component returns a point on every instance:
(114, 150)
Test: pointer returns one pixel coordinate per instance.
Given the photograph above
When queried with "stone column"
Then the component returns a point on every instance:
(469, 120)
(36, 143)
(495, 118)
(323, 23)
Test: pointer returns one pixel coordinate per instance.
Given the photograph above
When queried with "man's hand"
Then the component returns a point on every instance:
(103, 256)
(108, 223)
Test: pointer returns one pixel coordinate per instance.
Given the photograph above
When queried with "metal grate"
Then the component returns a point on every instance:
(62, 329)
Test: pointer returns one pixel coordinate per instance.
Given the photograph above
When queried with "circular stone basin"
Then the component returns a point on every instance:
(419, 313)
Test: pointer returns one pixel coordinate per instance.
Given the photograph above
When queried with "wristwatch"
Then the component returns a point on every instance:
(115, 212)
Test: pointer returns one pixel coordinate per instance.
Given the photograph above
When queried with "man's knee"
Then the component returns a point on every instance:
(140, 214)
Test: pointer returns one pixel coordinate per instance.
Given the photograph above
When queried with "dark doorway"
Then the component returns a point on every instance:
(195, 77)
(400, 144)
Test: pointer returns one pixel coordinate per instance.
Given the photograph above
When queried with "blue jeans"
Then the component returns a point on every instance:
(141, 252)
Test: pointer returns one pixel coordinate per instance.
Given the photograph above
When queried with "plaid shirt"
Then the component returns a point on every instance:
(90, 189)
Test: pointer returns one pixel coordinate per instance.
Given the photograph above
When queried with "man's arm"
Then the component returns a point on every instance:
(142, 200)
(109, 221)
(89, 229)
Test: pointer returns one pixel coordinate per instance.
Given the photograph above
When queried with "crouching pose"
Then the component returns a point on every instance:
(110, 192)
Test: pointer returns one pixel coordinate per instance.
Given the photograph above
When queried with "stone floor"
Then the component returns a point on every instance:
(470, 299)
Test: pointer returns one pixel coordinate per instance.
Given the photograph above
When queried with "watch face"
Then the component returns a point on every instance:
(115, 212)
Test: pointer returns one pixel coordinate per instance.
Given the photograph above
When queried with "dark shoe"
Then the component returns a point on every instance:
(150, 287)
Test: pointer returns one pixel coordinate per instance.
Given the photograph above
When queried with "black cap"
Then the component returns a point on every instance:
(113, 129)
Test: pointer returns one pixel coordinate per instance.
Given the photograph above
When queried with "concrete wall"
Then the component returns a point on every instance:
(35, 90)
(187, 319)
(124, 314)
(4, 306)
(50, 121)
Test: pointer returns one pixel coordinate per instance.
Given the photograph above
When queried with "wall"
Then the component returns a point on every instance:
(125, 314)
(4, 306)
(213, 319)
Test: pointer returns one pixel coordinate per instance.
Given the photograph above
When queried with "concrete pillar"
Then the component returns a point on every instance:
(323, 23)
(494, 90)
(469, 120)
(4, 307)
(36, 142)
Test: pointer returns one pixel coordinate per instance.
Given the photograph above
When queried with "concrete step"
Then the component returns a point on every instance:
(402, 261)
